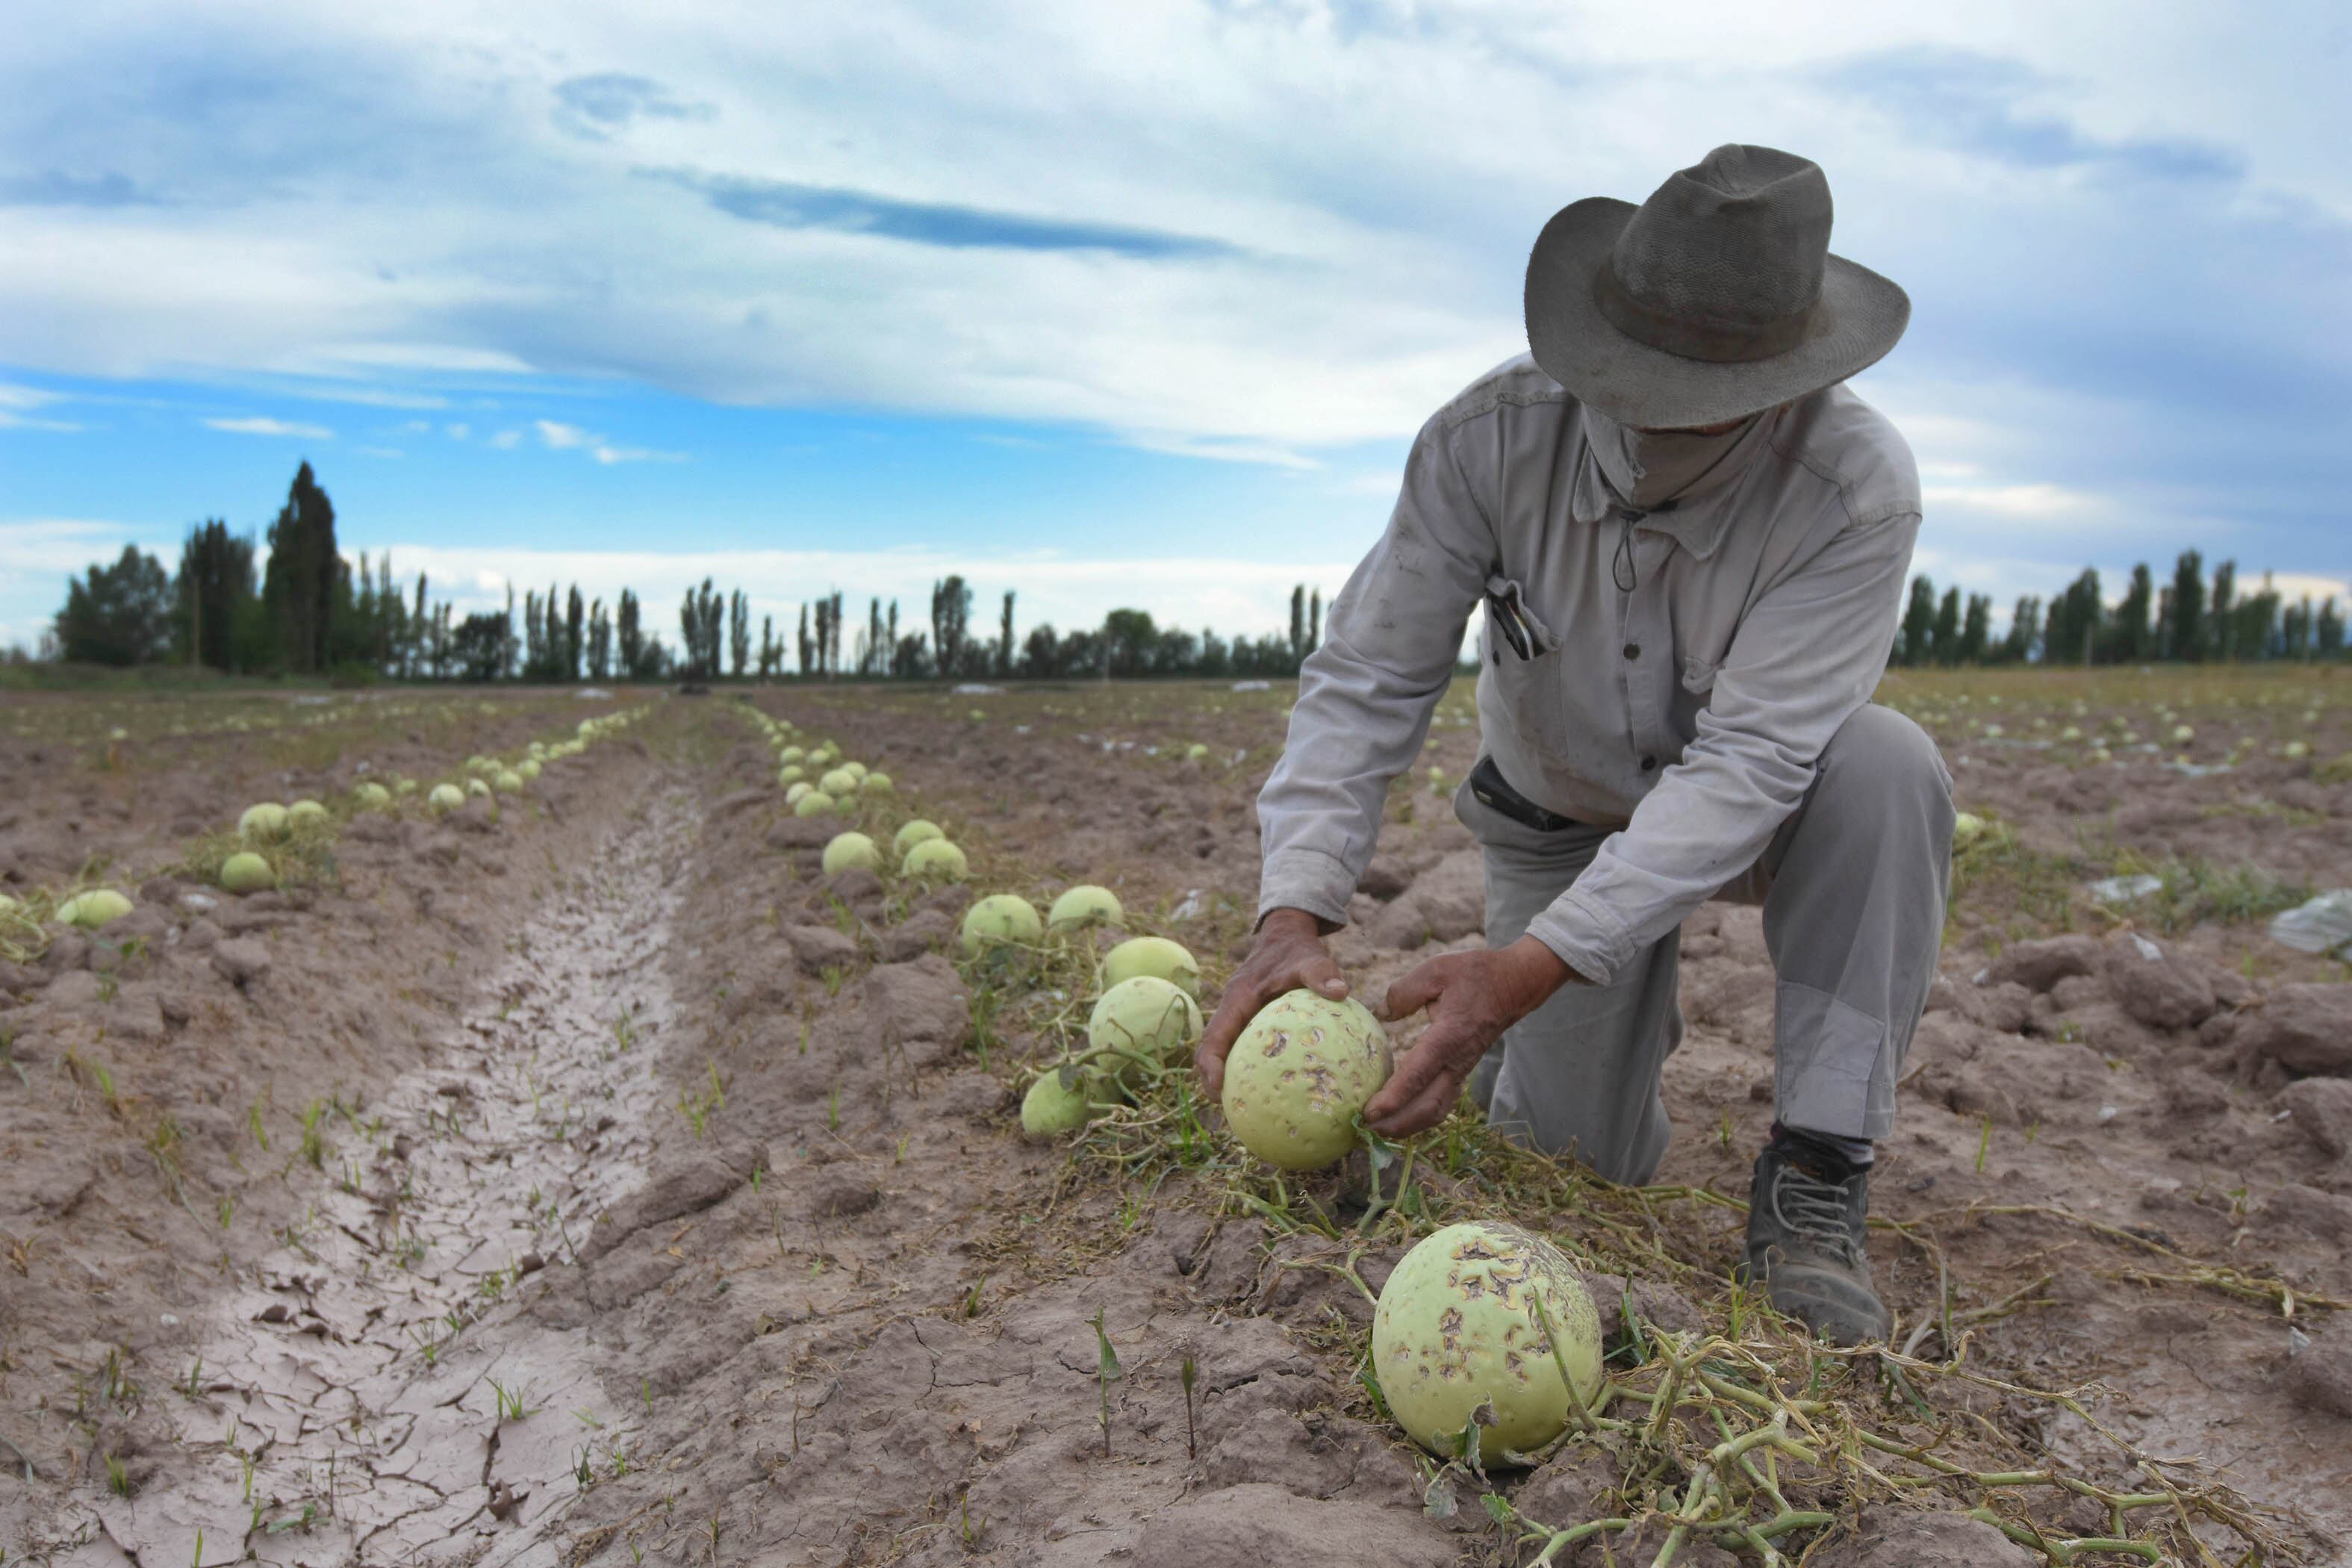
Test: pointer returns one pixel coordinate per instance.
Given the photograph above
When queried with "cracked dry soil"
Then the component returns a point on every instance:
(369, 1392)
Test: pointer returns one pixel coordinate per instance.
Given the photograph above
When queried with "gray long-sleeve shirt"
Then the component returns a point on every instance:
(1688, 713)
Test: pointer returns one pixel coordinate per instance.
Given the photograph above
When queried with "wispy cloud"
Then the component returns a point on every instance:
(54, 188)
(1982, 104)
(506, 441)
(596, 106)
(2029, 500)
(563, 438)
(785, 204)
(262, 425)
(16, 404)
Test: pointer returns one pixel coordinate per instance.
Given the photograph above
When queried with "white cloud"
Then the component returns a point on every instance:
(563, 438)
(261, 425)
(506, 441)
(458, 431)
(37, 554)
(17, 402)
(2304, 584)
(379, 451)
(2026, 501)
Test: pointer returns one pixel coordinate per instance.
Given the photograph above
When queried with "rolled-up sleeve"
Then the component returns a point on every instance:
(1809, 652)
(1365, 696)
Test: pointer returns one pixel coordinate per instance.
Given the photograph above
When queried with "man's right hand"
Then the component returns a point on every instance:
(1288, 955)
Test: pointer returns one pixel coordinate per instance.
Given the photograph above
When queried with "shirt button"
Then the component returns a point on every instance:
(1633, 650)
(1648, 763)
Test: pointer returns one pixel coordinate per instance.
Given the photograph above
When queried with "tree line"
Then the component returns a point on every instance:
(2188, 620)
(294, 605)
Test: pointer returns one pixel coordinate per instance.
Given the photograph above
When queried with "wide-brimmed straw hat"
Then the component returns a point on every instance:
(1715, 299)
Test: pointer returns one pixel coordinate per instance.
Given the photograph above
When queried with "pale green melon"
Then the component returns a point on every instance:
(372, 796)
(446, 797)
(1298, 1075)
(478, 787)
(1195, 752)
(263, 824)
(1462, 1323)
(98, 907)
(1085, 905)
(1061, 1101)
(857, 771)
(790, 774)
(935, 857)
(797, 791)
(1152, 955)
(999, 917)
(529, 768)
(877, 783)
(816, 803)
(914, 833)
(508, 782)
(305, 812)
(246, 872)
(851, 851)
(1966, 828)
(791, 754)
(838, 782)
(1141, 1020)
(404, 786)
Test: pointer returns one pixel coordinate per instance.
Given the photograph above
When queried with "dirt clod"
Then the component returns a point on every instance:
(1891, 1536)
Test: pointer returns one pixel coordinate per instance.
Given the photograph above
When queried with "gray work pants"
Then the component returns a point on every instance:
(1853, 886)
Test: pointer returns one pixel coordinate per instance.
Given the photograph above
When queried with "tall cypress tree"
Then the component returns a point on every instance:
(1919, 623)
(304, 571)
(2189, 634)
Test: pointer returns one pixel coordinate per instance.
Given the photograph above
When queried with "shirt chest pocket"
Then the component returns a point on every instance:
(1699, 675)
(1524, 664)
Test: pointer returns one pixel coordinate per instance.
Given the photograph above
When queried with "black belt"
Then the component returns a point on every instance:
(1487, 785)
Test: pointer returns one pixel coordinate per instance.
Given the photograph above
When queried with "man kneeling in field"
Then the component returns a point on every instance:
(1689, 539)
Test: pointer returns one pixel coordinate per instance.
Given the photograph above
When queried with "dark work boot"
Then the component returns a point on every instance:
(1805, 1229)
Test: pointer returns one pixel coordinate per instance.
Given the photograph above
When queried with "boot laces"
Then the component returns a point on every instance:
(1814, 1209)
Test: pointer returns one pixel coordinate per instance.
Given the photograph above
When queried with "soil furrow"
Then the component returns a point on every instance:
(371, 1392)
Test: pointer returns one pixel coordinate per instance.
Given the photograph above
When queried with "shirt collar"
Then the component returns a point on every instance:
(1696, 524)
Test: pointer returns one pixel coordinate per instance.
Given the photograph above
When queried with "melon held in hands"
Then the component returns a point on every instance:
(1462, 1323)
(1298, 1075)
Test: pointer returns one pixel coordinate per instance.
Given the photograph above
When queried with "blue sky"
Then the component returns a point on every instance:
(1133, 304)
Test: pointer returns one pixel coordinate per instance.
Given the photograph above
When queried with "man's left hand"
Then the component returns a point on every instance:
(1472, 999)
